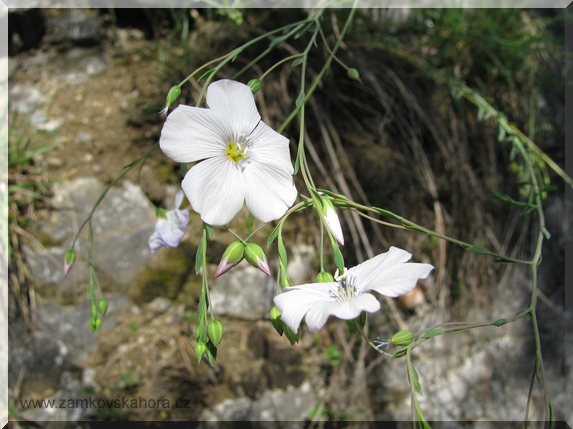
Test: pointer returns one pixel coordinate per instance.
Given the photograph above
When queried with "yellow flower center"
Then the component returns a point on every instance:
(236, 151)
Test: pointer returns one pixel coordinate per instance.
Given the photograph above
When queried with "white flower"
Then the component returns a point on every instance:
(243, 160)
(170, 230)
(388, 274)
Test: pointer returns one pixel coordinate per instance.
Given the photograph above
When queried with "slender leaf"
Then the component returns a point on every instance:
(480, 250)
(299, 100)
(433, 332)
(500, 322)
(206, 74)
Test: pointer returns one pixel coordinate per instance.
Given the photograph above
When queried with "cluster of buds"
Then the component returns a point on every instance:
(239, 250)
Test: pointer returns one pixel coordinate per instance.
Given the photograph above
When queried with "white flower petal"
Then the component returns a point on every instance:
(269, 192)
(179, 198)
(352, 308)
(389, 273)
(235, 103)
(270, 148)
(295, 302)
(192, 134)
(214, 188)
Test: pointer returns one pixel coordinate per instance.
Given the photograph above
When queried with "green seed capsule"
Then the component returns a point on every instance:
(215, 332)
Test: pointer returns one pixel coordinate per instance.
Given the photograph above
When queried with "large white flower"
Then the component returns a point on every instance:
(243, 160)
(388, 274)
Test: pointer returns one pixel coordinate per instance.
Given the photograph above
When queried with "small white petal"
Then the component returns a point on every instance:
(215, 190)
(296, 301)
(192, 134)
(390, 273)
(179, 198)
(235, 103)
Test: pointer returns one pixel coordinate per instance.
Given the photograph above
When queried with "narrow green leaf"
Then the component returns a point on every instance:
(480, 250)
(499, 322)
(211, 352)
(199, 256)
(298, 61)
(521, 313)
(206, 74)
(278, 40)
(400, 353)
(545, 233)
(210, 231)
(416, 381)
(299, 100)
(501, 134)
(282, 252)
(273, 235)
(338, 258)
(387, 213)
(501, 261)
(296, 165)
(414, 228)
(433, 332)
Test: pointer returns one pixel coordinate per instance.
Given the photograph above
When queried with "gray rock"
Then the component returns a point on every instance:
(244, 293)
(77, 27)
(275, 407)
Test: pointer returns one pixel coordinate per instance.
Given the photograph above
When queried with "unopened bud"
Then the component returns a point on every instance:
(256, 257)
(332, 221)
(200, 350)
(275, 315)
(231, 257)
(324, 277)
(402, 338)
(173, 95)
(255, 85)
(69, 259)
(102, 306)
(94, 311)
(215, 332)
(353, 74)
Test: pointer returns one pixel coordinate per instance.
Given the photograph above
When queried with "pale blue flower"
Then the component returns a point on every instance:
(169, 230)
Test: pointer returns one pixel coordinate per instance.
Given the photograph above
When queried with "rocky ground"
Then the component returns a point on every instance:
(93, 90)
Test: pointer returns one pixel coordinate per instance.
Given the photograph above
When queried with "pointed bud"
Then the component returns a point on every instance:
(98, 323)
(232, 256)
(275, 315)
(94, 311)
(256, 257)
(69, 259)
(92, 324)
(402, 338)
(353, 74)
(254, 84)
(324, 277)
(215, 332)
(200, 350)
(332, 221)
(172, 95)
(102, 306)
(291, 336)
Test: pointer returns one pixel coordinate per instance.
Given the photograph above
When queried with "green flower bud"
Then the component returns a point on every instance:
(402, 338)
(291, 336)
(255, 85)
(215, 332)
(92, 323)
(200, 350)
(69, 259)
(353, 74)
(234, 254)
(256, 257)
(324, 277)
(173, 95)
(94, 311)
(275, 315)
(98, 323)
(102, 306)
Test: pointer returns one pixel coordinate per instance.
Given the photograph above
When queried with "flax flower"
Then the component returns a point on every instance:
(242, 159)
(388, 274)
(170, 227)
